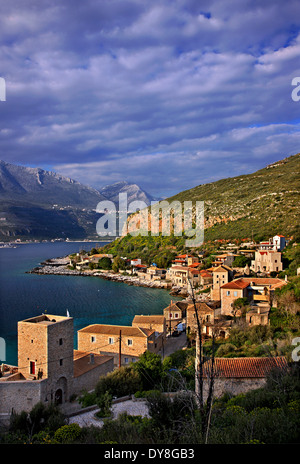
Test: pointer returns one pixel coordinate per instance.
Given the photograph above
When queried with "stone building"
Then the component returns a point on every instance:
(175, 313)
(239, 375)
(155, 322)
(221, 275)
(206, 316)
(258, 314)
(49, 369)
(125, 343)
(267, 261)
(256, 290)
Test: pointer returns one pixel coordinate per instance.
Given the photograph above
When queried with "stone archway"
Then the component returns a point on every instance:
(61, 390)
(59, 396)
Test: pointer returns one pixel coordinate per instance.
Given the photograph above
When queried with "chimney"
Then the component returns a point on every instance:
(92, 358)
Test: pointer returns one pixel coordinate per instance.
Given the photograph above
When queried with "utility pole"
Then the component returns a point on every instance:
(205, 413)
(120, 346)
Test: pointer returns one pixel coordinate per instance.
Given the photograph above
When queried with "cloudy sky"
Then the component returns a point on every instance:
(167, 94)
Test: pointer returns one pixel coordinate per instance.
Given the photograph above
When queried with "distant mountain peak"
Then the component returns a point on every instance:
(134, 192)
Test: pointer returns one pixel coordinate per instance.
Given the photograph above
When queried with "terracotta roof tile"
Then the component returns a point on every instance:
(113, 330)
(236, 284)
(245, 367)
(82, 362)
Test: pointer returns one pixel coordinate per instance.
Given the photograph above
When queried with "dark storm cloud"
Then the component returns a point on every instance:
(164, 94)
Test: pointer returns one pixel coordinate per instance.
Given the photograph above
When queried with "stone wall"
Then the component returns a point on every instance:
(88, 380)
(233, 386)
(21, 395)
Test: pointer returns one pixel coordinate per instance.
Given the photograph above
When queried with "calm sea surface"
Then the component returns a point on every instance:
(89, 300)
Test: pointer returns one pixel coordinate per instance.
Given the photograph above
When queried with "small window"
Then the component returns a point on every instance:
(235, 293)
(228, 292)
(126, 360)
(60, 341)
(176, 315)
(129, 342)
(61, 362)
(111, 341)
(93, 339)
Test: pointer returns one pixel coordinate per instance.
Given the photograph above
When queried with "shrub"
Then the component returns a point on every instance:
(87, 399)
(121, 382)
(225, 349)
(104, 403)
(41, 417)
(67, 433)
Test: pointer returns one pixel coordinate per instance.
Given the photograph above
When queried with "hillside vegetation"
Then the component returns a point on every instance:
(264, 203)
(254, 206)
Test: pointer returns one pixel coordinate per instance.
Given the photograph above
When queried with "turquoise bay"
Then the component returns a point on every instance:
(89, 300)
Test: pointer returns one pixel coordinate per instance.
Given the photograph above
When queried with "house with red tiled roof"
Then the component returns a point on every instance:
(239, 375)
(256, 290)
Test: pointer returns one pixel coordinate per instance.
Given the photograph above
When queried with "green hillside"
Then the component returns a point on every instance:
(258, 206)
(264, 203)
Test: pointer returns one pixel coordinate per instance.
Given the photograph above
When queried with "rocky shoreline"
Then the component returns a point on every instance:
(58, 266)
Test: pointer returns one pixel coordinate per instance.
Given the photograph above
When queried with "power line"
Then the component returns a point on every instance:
(68, 357)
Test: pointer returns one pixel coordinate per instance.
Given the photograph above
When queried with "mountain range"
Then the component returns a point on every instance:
(39, 204)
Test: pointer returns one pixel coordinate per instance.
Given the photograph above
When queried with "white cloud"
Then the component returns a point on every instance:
(166, 93)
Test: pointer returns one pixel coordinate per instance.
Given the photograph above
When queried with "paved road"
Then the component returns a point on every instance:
(134, 408)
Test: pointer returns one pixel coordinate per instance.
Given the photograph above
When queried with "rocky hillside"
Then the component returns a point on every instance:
(260, 204)
(255, 206)
(133, 191)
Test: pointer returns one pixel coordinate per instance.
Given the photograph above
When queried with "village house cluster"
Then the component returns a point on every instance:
(49, 369)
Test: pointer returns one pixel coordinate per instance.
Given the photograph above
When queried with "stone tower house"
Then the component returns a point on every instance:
(45, 351)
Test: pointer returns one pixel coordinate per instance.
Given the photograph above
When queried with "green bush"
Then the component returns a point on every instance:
(67, 433)
(104, 402)
(87, 399)
(41, 417)
(121, 382)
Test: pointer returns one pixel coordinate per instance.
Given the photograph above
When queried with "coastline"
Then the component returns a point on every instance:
(58, 266)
